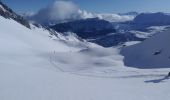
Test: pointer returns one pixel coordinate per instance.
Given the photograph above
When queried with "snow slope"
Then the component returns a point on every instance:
(152, 53)
(35, 65)
(19, 83)
(18, 42)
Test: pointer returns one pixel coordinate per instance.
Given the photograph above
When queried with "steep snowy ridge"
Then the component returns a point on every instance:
(6, 12)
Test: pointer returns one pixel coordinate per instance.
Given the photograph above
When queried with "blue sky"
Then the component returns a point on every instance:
(114, 6)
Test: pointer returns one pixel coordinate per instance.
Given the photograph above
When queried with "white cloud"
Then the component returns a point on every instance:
(62, 11)
(58, 11)
(84, 14)
(116, 17)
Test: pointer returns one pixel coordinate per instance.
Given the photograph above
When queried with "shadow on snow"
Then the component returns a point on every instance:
(158, 80)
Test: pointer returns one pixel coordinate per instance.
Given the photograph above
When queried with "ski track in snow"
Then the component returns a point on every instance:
(111, 74)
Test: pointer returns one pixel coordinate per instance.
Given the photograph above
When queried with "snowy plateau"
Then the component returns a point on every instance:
(38, 64)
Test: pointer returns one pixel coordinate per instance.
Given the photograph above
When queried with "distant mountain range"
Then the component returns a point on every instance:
(86, 28)
(108, 34)
(144, 20)
(97, 31)
(152, 19)
(43, 18)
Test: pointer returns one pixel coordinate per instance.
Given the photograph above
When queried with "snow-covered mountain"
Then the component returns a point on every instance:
(152, 19)
(97, 31)
(154, 51)
(144, 20)
(151, 53)
(18, 41)
(145, 25)
(41, 64)
(35, 65)
(107, 34)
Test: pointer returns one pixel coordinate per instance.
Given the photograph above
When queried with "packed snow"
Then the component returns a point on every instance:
(36, 66)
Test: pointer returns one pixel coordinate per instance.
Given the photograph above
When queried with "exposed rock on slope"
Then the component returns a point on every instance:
(6, 12)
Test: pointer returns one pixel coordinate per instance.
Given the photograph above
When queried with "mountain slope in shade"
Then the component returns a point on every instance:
(97, 31)
(152, 19)
(86, 28)
(152, 53)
